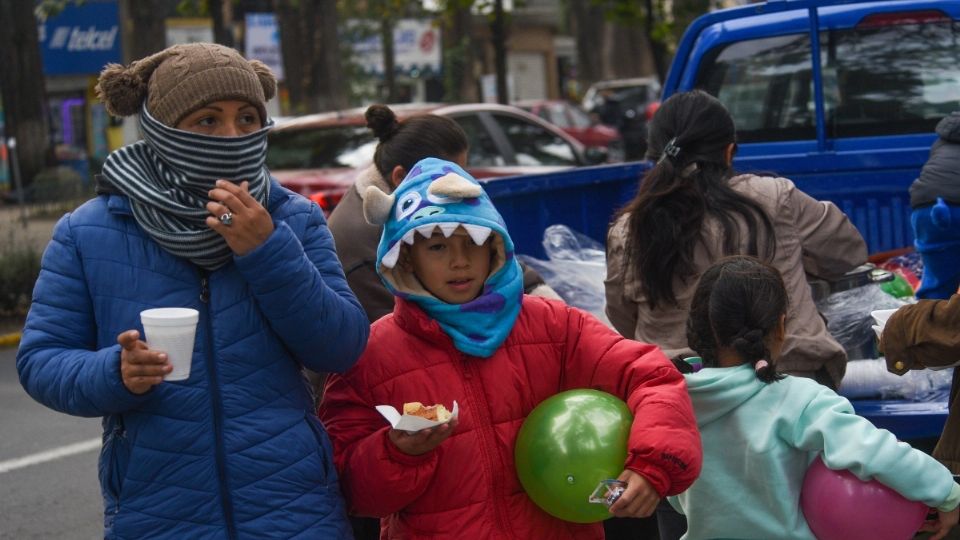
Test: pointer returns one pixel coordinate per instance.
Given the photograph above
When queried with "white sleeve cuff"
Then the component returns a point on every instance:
(953, 500)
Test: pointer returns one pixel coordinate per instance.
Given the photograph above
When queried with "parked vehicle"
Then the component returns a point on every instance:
(623, 104)
(578, 124)
(634, 94)
(840, 96)
(320, 155)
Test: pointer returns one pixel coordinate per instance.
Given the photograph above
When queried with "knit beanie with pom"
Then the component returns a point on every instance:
(180, 79)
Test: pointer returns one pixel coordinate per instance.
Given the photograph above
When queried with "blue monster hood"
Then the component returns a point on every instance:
(439, 194)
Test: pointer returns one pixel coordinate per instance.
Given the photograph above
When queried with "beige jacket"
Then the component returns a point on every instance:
(811, 237)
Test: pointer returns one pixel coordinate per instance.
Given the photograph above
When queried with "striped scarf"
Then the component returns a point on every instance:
(167, 177)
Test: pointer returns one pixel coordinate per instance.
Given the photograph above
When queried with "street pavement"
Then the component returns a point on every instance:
(54, 499)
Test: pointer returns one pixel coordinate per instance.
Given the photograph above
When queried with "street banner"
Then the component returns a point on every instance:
(81, 39)
(263, 41)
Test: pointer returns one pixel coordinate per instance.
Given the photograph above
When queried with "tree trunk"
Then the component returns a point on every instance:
(459, 56)
(389, 59)
(311, 55)
(333, 93)
(659, 49)
(684, 12)
(222, 14)
(588, 24)
(291, 43)
(498, 31)
(22, 88)
(144, 31)
(629, 54)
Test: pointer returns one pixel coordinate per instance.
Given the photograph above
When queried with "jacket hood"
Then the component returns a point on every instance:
(439, 196)
(949, 128)
(717, 391)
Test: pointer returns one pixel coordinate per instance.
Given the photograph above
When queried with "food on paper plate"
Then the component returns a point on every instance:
(436, 413)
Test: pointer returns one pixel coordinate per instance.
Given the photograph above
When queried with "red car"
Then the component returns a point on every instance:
(575, 122)
(320, 155)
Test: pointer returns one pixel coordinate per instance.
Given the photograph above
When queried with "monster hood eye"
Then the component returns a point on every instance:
(441, 199)
(408, 204)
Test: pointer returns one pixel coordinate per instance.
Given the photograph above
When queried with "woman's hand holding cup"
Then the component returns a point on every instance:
(140, 368)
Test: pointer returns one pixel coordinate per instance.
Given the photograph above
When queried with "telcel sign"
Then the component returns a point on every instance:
(81, 39)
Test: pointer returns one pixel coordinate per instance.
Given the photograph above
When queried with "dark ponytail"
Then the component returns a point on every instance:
(737, 304)
(417, 137)
(689, 135)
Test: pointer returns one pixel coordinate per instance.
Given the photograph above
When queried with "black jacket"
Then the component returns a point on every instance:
(940, 176)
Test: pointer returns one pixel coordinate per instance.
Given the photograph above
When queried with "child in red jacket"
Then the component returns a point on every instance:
(463, 330)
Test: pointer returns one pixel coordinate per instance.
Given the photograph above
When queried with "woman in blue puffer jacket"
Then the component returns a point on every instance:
(190, 217)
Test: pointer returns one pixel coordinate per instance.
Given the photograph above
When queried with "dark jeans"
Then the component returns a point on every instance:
(631, 529)
(672, 524)
(365, 528)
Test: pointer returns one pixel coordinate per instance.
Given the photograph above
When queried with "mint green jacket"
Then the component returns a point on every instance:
(759, 439)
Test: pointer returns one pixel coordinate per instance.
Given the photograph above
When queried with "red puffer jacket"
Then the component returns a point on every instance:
(467, 488)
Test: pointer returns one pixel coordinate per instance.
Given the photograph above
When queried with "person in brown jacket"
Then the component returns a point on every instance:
(922, 335)
(691, 210)
(401, 145)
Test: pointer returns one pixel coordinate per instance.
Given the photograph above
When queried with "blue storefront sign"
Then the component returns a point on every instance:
(81, 39)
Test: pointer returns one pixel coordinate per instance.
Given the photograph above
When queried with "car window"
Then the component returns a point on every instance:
(895, 78)
(323, 147)
(578, 118)
(633, 97)
(535, 145)
(766, 84)
(557, 115)
(483, 149)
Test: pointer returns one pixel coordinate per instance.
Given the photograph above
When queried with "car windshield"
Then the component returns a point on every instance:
(321, 148)
(877, 80)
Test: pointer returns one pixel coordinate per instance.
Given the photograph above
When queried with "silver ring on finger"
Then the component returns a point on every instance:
(227, 219)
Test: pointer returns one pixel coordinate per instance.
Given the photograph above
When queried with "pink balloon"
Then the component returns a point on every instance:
(839, 506)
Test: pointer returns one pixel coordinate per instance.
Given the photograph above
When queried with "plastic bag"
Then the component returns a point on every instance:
(870, 379)
(576, 268)
(848, 318)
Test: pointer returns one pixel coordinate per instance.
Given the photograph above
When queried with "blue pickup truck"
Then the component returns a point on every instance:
(840, 96)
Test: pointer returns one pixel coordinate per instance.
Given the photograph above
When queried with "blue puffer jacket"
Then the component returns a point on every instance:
(234, 451)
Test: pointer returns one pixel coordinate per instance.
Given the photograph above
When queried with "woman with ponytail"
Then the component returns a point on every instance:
(761, 430)
(692, 209)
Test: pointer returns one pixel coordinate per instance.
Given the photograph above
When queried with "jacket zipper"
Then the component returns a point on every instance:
(119, 434)
(217, 410)
(480, 408)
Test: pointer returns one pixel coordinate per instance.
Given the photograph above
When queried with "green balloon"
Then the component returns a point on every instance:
(566, 446)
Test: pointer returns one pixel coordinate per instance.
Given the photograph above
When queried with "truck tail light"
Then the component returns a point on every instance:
(906, 17)
(327, 200)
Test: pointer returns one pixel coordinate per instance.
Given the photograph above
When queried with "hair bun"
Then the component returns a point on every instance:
(382, 121)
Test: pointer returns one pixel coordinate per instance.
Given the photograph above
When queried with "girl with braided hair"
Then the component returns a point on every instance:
(761, 429)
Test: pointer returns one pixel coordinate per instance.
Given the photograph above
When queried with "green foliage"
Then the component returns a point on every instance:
(52, 8)
(57, 184)
(193, 8)
(19, 268)
(361, 86)
(633, 13)
(454, 69)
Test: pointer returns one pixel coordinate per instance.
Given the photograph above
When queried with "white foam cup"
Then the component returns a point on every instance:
(172, 330)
